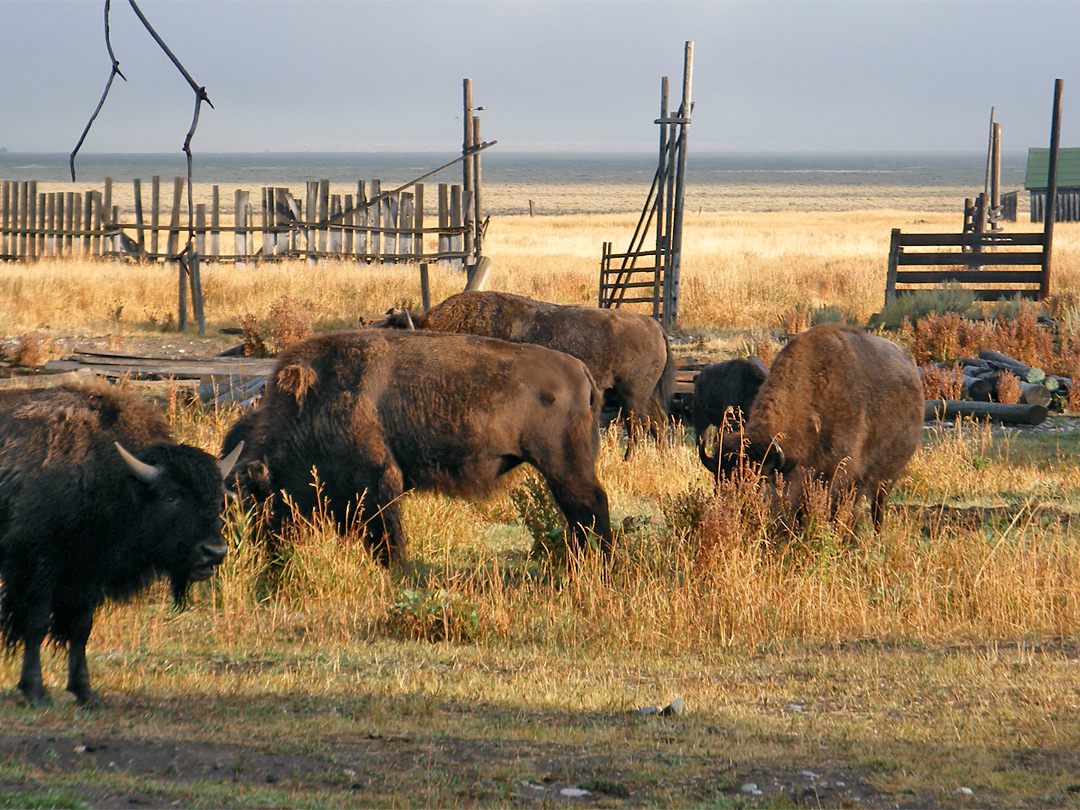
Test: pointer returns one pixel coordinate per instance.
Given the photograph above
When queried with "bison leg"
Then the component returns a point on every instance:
(78, 675)
(384, 529)
(878, 504)
(33, 634)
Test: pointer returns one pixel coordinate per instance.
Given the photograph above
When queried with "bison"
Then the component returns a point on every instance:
(732, 384)
(839, 406)
(627, 353)
(96, 501)
(376, 413)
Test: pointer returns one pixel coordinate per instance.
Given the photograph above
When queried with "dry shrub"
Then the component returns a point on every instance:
(1064, 307)
(1023, 338)
(1008, 388)
(765, 349)
(289, 321)
(944, 337)
(797, 320)
(943, 383)
(1074, 389)
(254, 345)
(32, 350)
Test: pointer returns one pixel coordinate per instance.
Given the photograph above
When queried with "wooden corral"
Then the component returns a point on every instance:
(982, 244)
(371, 226)
(651, 275)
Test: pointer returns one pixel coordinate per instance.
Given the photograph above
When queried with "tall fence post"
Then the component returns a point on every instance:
(1051, 189)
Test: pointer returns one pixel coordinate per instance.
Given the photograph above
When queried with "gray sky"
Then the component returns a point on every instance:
(374, 75)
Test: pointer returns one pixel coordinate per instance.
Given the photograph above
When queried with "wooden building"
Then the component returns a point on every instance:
(1068, 183)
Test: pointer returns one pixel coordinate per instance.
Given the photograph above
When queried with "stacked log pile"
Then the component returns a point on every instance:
(980, 382)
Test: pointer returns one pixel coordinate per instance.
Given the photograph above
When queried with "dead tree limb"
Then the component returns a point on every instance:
(113, 73)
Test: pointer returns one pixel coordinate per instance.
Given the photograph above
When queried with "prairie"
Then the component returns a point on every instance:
(932, 664)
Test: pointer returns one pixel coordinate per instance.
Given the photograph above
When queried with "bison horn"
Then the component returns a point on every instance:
(226, 464)
(711, 462)
(147, 473)
(781, 459)
(408, 320)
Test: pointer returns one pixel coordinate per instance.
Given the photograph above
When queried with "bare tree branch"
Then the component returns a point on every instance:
(113, 73)
(200, 92)
(189, 265)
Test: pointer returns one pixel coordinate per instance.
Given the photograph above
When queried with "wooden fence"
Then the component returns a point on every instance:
(368, 226)
(966, 263)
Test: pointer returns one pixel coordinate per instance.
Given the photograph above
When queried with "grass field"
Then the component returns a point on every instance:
(932, 664)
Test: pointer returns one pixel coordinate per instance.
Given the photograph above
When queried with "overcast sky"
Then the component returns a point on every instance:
(364, 75)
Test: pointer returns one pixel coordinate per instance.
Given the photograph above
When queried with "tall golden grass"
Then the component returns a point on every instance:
(740, 272)
(693, 569)
(712, 594)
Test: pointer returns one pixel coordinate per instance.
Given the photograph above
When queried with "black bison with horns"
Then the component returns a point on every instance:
(378, 412)
(627, 353)
(96, 501)
(839, 406)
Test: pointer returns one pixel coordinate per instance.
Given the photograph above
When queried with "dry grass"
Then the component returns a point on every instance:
(937, 654)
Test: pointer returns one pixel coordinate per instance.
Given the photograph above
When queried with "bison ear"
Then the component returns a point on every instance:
(226, 464)
(147, 473)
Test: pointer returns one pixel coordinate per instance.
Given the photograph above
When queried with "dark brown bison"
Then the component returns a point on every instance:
(96, 501)
(377, 413)
(627, 353)
(839, 406)
(732, 384)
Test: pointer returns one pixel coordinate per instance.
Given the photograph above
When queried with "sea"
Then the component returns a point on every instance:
(587, 182)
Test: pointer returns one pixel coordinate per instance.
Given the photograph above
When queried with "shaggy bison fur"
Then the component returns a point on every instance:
(96, 501)
(839, 406)
(377, 413)
(627, 353)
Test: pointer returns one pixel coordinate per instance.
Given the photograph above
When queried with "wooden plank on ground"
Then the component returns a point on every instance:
(116, 365)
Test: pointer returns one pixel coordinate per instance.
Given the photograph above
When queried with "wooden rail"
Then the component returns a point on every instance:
(966, 265)
(370, 226)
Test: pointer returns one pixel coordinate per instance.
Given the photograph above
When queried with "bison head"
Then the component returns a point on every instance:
(404, 319)
(734, 450)
(178, 504)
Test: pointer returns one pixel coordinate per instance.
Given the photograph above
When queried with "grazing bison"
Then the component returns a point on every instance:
(377, 413)
(628, 354)
(96, 501)
(839, 406)
(732, 384)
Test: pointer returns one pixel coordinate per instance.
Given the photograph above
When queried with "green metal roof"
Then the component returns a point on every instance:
(1038, 168)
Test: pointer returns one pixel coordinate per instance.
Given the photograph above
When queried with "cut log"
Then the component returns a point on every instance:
(992, 356)
(1020, 414)
(1035, 394)
(979, 389)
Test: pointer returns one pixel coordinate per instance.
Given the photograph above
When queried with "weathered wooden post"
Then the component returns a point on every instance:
(672, 280)
(467, 169)
(995, 180)
(1051, 189)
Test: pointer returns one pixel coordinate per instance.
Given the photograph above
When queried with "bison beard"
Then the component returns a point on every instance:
(377, 413)
(96, 501)
(627, 353)
(839, 406)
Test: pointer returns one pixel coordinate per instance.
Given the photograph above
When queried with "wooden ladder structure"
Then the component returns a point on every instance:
(650, 275)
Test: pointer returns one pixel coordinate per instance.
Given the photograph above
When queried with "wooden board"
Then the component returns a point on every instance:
(206, 369)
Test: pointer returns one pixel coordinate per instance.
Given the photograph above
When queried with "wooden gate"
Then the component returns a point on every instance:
(651, 275)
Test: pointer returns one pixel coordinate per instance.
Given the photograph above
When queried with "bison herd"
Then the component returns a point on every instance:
(97, 501)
